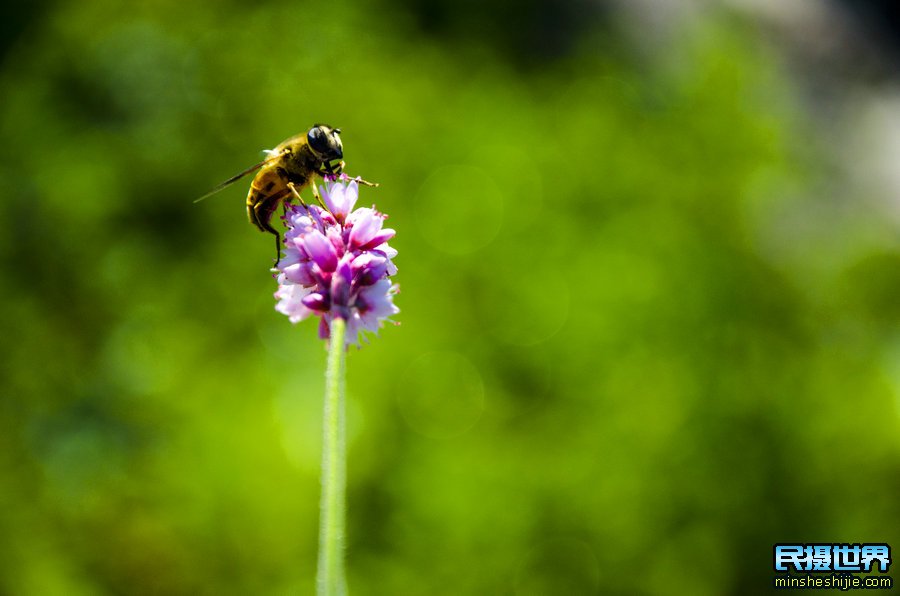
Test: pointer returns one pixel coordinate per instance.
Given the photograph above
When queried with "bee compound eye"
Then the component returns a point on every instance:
(316, 138)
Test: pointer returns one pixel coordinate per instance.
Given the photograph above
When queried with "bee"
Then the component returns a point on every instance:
(289, 168)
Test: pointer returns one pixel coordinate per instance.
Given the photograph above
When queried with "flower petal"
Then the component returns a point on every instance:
(369, 268)
(351, 195)
(316, 301)
(320, 250)
(339, 198)
(375, 303)
(334, 235)
(366, 225)
(290, 302)
(379, 239)
(333, 196)
(387, 251)
(299, 273)
(341, 284)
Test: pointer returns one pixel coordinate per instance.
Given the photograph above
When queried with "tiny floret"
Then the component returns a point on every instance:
(337, 264)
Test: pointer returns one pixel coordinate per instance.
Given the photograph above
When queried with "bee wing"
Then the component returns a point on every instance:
(272, 157)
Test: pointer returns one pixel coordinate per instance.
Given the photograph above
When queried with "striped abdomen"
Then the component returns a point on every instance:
(267, 190)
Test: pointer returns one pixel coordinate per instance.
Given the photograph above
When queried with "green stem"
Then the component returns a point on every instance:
(330, 580)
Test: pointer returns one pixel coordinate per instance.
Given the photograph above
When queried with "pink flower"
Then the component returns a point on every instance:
(337, 264)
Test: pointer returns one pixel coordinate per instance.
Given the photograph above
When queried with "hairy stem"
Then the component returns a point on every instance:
(330, 580)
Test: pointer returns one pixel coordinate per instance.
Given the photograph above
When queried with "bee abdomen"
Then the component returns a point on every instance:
(261, 206)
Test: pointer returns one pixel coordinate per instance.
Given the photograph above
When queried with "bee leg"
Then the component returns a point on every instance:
(277, 247)
(365, 182)
(277, 243)
(260, 218)
(315, 192)
(297, 194)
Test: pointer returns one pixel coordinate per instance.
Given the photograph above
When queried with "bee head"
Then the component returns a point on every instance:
(325, 143)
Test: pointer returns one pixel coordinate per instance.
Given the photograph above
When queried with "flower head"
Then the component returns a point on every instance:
(337, 264)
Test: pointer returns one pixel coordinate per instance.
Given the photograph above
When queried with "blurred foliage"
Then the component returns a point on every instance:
(643, 337)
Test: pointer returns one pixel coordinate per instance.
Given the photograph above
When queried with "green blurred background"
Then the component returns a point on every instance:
(650, 316)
